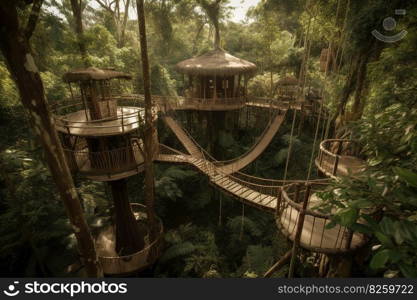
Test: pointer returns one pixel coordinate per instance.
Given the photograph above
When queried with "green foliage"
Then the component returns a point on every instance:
(191, 251)
(257, 261)
(33, 220)
(387, 188)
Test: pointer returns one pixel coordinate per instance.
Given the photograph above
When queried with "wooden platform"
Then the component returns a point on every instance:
(347, 166)
(77, 123)
(314, 235)
(112, 263)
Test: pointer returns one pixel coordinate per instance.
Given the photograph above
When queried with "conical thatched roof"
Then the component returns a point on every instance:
(288, 80)
(215, 62)
(93, 74)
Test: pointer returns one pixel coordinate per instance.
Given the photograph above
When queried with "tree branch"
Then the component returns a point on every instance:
(33, 18)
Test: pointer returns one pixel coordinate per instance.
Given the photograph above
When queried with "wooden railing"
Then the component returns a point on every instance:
(331, 152)
(129, 109)
(104, 162)
(118, 265)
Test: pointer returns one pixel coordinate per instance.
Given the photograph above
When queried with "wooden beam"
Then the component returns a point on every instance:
(280, 263)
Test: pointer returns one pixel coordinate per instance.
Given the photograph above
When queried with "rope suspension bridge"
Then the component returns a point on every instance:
(291, 201)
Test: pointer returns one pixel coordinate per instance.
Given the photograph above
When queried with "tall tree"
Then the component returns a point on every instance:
(213, 10)
(113, 7)
(77, 7)
(149, 131)
(17, 53)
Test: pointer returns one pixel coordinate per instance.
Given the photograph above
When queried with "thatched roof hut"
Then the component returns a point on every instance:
(216, 62)
(93, 73)
(288, 80)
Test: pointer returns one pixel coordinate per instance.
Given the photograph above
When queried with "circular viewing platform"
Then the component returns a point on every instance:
(125, 115)
(107, 165)
(339, 157)
(315, 236)
(115, 265)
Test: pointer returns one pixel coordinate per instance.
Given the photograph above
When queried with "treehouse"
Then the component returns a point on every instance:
(99, 129)
(287, 88)
(216, 80)
(100, 132)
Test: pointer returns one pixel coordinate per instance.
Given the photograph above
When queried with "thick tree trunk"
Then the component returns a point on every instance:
(22, 67)
(78, 26)
(149, 128)
(129, 238)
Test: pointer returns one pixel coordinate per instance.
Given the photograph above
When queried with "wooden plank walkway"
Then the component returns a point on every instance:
(257, 150)
(314, 236)
(236, 164)
(189, 145)
(224, 182)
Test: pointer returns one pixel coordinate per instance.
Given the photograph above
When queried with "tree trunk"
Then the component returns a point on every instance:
(129, 238)
(33, 18)
(123, 30)
(149, 128)
(21, 65)
(78, 26)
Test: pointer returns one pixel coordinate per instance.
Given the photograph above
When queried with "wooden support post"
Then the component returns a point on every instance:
(297, 192)
(336, 161)
(278, 205)
(297, 237)
(348, 240)
(280, 263)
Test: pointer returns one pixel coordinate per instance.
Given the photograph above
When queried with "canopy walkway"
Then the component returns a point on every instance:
(270, 195)
(231, 166)
(274, 196)
(185, 140)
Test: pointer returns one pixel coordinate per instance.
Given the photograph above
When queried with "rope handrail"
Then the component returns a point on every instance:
(298, 206)
(326, 142)
(211, 162)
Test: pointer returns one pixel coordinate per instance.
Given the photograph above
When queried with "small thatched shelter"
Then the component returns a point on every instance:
(287, 87)
(216, 74)
(95, 90)
(93, 73)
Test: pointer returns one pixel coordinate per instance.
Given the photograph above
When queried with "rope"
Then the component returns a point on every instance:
(242, 223)
(220, 209)
(290, 146)
(314, 143)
